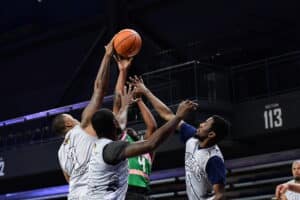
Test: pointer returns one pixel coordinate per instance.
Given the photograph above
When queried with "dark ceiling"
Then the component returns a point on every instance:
(50, 49)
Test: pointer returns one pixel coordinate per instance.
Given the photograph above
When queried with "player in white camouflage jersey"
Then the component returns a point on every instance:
(204, 164)
(291, 189)
(108, 168)
(75, 151)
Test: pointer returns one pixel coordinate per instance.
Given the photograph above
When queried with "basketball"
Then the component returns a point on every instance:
(127, 43)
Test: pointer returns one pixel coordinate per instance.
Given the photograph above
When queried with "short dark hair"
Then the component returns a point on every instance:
(58, 125)
(103, 122)
(221, 127)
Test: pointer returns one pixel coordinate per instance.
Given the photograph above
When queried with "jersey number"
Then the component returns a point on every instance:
(273, 118)
(142, 162)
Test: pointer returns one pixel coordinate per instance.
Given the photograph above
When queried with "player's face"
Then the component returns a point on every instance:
(70, 121)
(204, 129)
(296, 171)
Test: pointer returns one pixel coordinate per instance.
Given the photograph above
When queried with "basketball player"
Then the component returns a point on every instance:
(291, 189)
(139, 166)
(108, 168)
(74, 153)
(204, 164)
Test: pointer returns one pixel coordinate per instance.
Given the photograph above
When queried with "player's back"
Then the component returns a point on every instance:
(106, 181)
(74, 157)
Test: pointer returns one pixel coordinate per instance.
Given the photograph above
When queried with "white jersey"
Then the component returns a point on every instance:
(74, 156)
(198, 186)
(106, 182)
(290, 195)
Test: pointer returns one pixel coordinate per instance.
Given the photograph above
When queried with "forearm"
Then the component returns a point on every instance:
(122, 116)
(100, 88)
(102, 79)
(154, 140)
(118, 90)
(163, 110)
(148, 118)
(294, 187)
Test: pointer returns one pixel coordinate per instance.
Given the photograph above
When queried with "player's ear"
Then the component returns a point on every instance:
(211, 134)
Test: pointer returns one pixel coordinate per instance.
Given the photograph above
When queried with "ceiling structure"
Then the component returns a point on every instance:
(50, 49)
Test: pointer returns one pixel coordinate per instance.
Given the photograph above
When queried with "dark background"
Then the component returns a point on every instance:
(50, 51)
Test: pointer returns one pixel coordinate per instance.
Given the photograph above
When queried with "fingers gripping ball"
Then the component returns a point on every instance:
(127, 43)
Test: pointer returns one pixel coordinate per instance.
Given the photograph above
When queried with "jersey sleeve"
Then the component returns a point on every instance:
(216, 171)
(113, 153)
(186, 131)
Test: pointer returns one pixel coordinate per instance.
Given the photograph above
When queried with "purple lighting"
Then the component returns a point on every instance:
(50, 112)
(44, 193)
(62, 191)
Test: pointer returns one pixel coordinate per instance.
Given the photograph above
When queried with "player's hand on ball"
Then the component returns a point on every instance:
(109, 48)
(123, 63)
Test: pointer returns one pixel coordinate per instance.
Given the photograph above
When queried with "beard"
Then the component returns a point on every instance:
(200, 138)
(297, 179)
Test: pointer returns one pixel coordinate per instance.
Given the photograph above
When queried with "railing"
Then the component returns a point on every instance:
(249, 178)
(190, 80)
(267, 77)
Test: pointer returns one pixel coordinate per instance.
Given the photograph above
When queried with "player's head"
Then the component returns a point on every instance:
(105, 124)
(213, 129)
(62, 123)
(296, 170)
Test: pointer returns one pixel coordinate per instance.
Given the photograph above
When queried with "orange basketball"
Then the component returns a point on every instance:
(127, 43)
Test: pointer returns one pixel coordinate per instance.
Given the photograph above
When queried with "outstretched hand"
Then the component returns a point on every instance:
(185, 107)
(280, 191)
(139, 86)
(127, 96)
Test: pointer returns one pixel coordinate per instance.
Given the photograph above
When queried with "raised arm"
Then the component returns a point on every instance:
(282, 188)
(100, 87)
(123, 65)
(163, 110)
(126, 98)
(148, 118)
(160, 134)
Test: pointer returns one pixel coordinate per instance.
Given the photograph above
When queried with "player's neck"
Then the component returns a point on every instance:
(206, 144)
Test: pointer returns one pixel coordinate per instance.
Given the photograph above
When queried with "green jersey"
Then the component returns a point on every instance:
(139, 168)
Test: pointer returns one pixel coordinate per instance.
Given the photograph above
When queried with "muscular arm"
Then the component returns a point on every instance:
(294, 187)
(118, 90)
(123, 65)
(163, 110)
(138, 148)
(148, 118)
(100, 88)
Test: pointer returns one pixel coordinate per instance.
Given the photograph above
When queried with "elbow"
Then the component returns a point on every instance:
(152, 128)
(168, 117)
